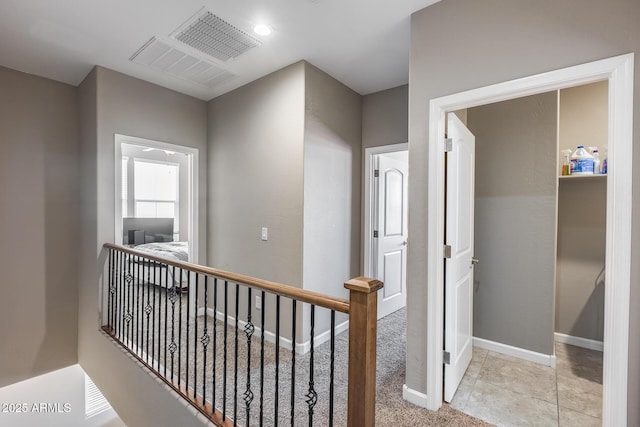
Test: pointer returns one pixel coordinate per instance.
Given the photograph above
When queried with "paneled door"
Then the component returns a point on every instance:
(459, 261)
(392, 180)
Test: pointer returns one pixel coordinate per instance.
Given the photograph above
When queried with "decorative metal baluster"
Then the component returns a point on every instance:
(293, 361)
(262, 306)
(224, 360)
(186, 338)
(148, 309)
(123, 309)
(312, 396)
(275, 409)
(157, 280)
(173, 346)
(132, 297)
(235, 360)
(127, 316)
(110, 292)
(248, 330)
(180, 331)
(113, 290)
(134, 304)
(167, 290)
(215, 343)
(138, 307)
(205, 341)
(119, 281)
(195, 332)
(153, 323)
(121, 289)
(332, 365)
(116, 296)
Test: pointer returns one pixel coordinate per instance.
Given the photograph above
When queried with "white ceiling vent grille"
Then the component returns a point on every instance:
(212, 35)
(163, 57)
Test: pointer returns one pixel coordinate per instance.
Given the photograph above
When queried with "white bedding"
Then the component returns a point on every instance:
(159, 274)
(175, 251)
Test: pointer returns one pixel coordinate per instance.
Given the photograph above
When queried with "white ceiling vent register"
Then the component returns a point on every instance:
(214, 36)
(164, 57)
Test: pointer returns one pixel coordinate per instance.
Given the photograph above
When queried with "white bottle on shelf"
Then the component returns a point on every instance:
(581, 162)
(596, 160)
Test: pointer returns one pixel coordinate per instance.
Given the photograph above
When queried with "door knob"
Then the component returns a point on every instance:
(474, 261)
(404, 243)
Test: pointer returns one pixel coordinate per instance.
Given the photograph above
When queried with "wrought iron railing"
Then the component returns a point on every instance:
(246, 351)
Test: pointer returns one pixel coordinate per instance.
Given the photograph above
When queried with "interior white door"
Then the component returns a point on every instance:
(459, 233)
(391, 256)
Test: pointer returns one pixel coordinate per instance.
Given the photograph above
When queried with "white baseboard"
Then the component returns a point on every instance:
(413, 396)
(520, 353)
(579, 342)
(301, 347)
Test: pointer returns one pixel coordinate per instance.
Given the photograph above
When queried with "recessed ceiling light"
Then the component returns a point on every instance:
(262, 30)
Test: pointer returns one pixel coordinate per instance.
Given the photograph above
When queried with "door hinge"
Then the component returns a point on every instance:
(446, 358)
(375, 234)
(376, 173)
(447, 251)
(448, 145)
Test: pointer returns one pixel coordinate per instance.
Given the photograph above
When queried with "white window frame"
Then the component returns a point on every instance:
(193, 187)
(176, 207)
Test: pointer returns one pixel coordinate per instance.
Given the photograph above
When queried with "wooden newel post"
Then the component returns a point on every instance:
(363, 329)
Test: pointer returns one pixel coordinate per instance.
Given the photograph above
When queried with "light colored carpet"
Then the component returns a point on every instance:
(391, 409)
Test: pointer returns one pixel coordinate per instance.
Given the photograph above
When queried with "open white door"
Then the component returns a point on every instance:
(459, 231)
(391, 245)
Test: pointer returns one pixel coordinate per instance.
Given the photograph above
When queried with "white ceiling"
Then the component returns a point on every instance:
(362, 43)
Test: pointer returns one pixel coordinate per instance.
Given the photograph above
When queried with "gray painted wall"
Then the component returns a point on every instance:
(38, 250)
(385, 121)
(332, 175)
(523, 39)
(515, 221)
(582, 218)
(581, 252)
(385, 117)
(255, 137)
(285, 153)
(111, 103)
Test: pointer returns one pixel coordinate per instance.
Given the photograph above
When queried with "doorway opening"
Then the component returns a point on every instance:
(540, 239)
(156, 194)
(385, 223)
(618, 71)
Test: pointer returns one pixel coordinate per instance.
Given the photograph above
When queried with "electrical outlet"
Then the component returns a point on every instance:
(258, 302)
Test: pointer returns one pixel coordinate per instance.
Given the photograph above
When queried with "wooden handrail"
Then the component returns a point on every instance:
(316, 298)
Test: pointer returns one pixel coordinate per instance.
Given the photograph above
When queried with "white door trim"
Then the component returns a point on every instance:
(619, 73)
(369, 188)
(193, 187)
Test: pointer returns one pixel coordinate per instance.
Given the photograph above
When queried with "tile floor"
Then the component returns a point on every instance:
(508, 391)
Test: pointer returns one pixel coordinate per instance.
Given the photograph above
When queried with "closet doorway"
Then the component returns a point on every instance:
(618, 72)
(516, 243)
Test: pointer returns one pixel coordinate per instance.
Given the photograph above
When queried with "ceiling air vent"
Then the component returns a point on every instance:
(214, 36)
(164, 57)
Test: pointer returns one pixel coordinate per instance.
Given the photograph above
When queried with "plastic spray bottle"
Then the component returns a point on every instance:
(596, 159)
(604, 165)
